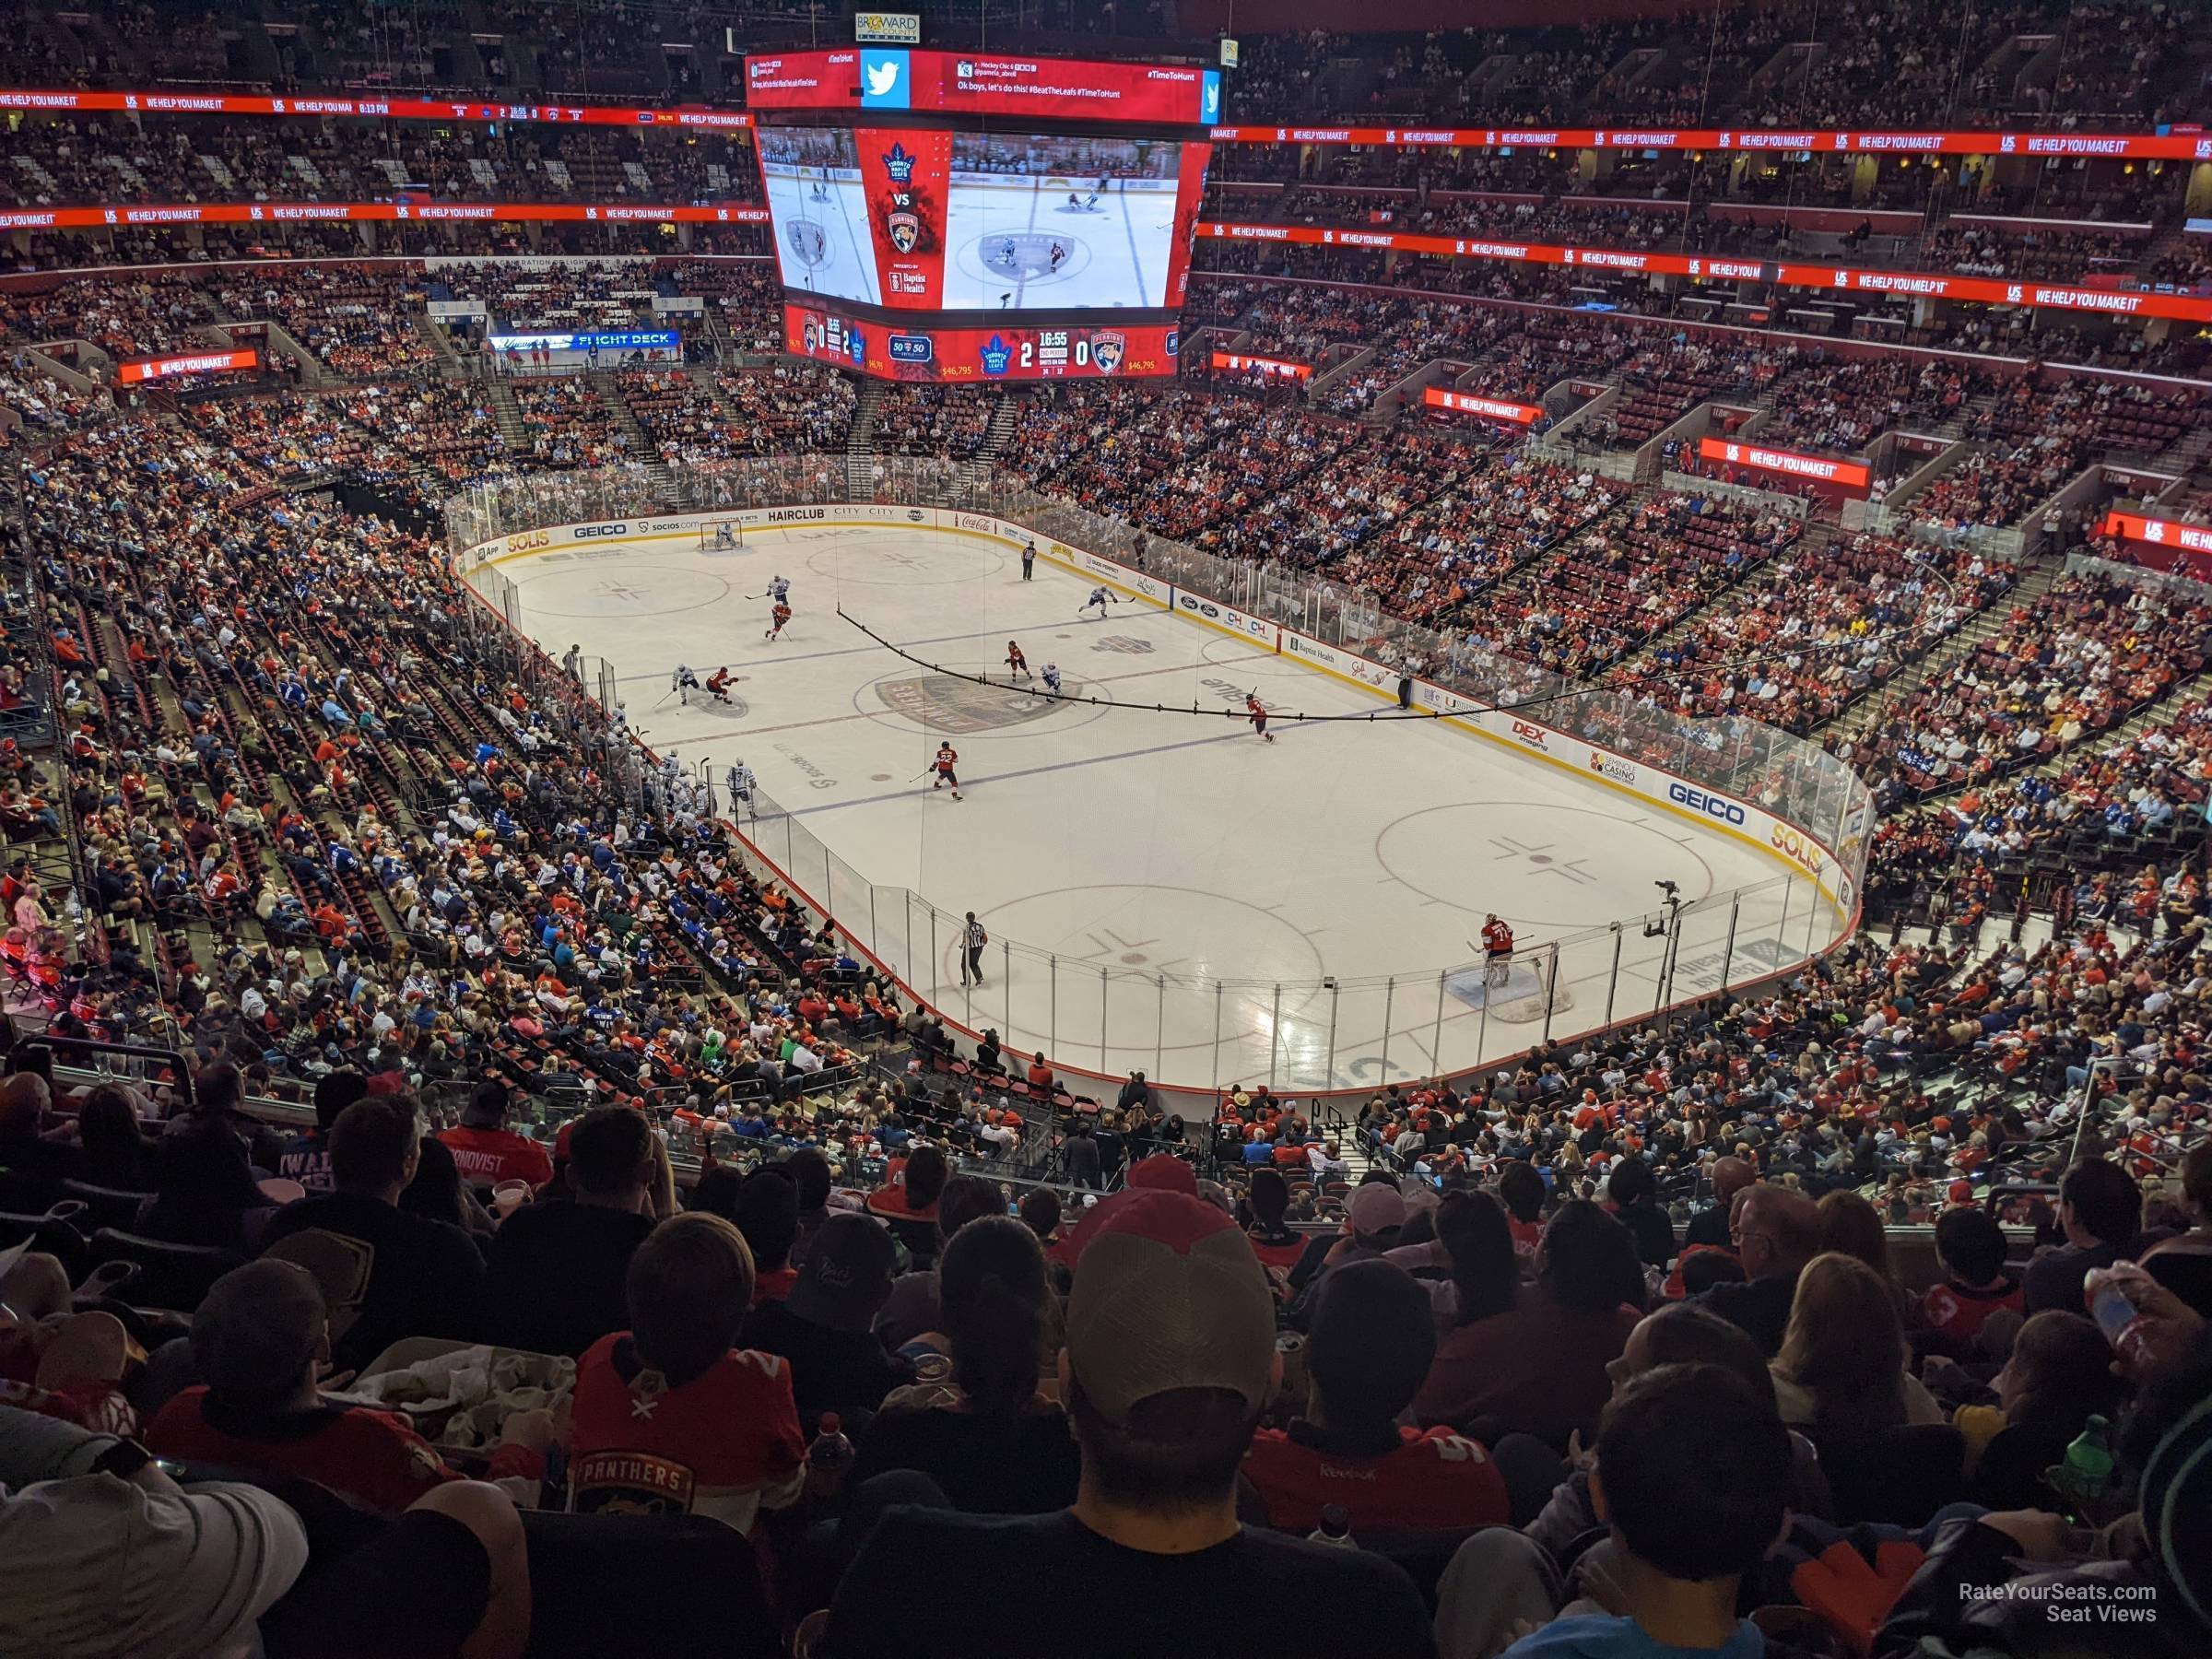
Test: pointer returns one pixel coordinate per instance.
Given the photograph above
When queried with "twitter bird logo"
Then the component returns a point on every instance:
(883, 80)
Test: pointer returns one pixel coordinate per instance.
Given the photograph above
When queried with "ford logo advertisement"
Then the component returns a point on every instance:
(1710, 805)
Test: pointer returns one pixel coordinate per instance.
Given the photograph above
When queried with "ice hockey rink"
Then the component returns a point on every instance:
(1162, 891)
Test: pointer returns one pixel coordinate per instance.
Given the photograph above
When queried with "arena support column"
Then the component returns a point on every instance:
(1436, 1037)
(1216, 1084)
(1160, 1025)
(1482, 1028)
(1274, 1034)
(1328, 1077)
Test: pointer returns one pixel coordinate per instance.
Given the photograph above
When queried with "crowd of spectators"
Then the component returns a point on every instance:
(1805, 637)
(361, 320)
(932, 420)
(2082, 658)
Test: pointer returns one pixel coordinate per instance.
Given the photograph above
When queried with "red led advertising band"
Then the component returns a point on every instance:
(1851, 474)
(1490, 408)
(1236, 362)
(158, 103)
(2054, 296)
(2158, 532)
(1125, 91)
(190, 362)
(2128, 146)
(291, 213)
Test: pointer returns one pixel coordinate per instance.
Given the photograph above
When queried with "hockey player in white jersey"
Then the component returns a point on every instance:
(779, 590)
(1100, 597)
(1051, 678)
(683, 682)
(739, 781)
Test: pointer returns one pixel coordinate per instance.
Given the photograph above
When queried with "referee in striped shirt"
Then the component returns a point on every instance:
(972, 940)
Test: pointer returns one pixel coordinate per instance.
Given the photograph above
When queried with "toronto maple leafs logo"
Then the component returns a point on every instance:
(899, 164)
(998, 356)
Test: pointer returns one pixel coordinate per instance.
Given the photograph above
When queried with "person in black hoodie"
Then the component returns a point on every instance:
(1634, 1192)
(555, 1280)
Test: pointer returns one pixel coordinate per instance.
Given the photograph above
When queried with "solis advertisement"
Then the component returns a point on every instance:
(974, 355)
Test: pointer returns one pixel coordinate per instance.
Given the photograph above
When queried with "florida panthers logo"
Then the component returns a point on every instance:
(905, 229)
(1107, 348)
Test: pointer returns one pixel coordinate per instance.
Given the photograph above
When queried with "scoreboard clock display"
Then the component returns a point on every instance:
(974, 356)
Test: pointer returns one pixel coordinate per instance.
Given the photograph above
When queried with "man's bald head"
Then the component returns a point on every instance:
(1777, 1231)
(23, 1099)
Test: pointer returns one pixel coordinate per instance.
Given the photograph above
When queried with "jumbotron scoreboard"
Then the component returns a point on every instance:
(964, 217)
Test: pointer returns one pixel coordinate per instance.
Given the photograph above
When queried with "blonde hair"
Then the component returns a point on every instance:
(1845, 1345)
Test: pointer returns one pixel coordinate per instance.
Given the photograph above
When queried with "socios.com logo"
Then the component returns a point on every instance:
(1710, 805)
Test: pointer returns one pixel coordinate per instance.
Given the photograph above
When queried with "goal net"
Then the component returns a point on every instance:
(1522, 993)
(719, 533)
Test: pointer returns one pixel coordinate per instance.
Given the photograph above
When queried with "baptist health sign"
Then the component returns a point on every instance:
(886, 29)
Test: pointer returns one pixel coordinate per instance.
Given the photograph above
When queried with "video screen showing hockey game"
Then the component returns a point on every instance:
(925, 219)
(819, 210)
(1062, 223)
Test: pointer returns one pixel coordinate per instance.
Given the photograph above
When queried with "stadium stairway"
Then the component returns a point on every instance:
(2035, 581)
(860, 439)
(430, 329)
(509, 416)
(1004, 414)
(638, 441)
